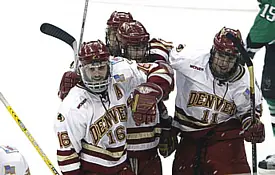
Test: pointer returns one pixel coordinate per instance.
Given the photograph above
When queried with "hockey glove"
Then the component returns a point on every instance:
(168, 139)
(68, 81)
(254, 132)
(145, 99)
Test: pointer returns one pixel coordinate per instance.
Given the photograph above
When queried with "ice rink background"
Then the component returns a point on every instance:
(32, 63)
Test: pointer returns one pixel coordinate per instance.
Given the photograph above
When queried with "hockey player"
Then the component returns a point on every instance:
(112, 25)
(212, 107)
(261, 35)
(143, 141)
(91, 125)
(70, 78)
(12, 162)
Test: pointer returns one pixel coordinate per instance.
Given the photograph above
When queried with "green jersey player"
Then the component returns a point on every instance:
(261, 35)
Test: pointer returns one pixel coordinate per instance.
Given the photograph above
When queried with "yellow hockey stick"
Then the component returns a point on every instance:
(28, 134)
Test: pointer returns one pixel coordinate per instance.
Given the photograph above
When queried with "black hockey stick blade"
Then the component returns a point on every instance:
(240, 47)
(58, 33)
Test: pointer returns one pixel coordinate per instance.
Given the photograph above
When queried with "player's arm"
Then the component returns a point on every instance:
(253, 131)
(160, 82)
(159, 49)
(70, 130)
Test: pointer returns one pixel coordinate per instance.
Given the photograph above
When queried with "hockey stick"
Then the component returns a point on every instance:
(82, 29)
(28, 134)
(54, 31)
(60, 34)
(249, 64)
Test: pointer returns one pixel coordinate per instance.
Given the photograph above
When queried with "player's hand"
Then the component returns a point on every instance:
(168, 143)
(68, 81)
(144, 103)
(168, 138)
(254, 132)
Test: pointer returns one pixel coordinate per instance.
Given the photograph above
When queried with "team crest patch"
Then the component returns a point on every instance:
(119, 78)
(180, 47)
(9, 149)
(60, 117)
(9, 170)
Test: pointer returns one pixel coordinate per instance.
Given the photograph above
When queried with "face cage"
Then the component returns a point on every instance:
(223, 76)
(136, 52)
(95, 86)
(112, 42)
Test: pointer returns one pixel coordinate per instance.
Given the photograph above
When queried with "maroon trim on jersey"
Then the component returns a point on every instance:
(155, 56)
(142, 129)
(160, 48)
(191, 123)
(144, 154)
(75, 172)
(88, 167)
(117, 149)
(68, 162)
(101, 155)
(141, 141)
(65, 153)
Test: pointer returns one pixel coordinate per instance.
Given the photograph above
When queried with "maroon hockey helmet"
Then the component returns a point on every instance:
(223, 44)
(95, 65)
(225, 56)
(93, 51)
(112, 24)
(117, 17)
(132, 33)
(133, 40)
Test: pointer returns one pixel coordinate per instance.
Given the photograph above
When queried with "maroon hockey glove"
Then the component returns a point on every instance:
(145, 99)
(68, 81)
(255, 133)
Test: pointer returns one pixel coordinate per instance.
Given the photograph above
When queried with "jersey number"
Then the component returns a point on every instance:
(119, 134)
(206, 117)
(268, 12)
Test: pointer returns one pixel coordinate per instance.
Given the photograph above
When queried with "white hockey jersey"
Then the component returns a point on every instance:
(201, 100)
(12, 162)
(92, 129)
